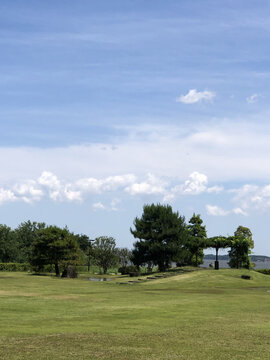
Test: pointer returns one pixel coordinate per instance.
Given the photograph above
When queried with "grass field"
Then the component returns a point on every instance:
(203, 314)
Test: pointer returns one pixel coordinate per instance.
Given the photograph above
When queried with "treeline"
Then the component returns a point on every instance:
(51, 248)
(163, 237)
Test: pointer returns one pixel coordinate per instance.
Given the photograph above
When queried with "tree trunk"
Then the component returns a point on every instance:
(196, 258)
(57, 271)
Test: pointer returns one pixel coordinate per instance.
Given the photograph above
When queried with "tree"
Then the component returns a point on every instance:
(196, 241)
(218, 242)
(241, 245)
(55, 246)
(9, 251)
(161, 233)
(26, 234)
(104, 252)
(124, 255)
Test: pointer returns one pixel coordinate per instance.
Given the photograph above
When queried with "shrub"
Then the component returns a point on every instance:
(264, 271)
(125, 270)
(70, 272)
(14, 267)
(246, 277)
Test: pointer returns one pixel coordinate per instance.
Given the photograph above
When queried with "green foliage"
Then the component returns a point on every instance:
(9, 249)
(161, 234)
(264, 271)
(125, 270)
(104, 253)
(26, 234)
(124, 256)
(14, 267)
(197, 240)
(241, 245)
(55, 246)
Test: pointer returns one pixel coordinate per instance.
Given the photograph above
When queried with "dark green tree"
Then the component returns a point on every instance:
(161, 233)
(9, 251)
(26, 234)
(104, 253)
(241, 245)
(55, 246)
(196, 241)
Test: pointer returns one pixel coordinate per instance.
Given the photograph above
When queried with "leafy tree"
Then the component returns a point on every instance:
(124, 255)
(196, 241)
(161, 234)
(104, 252)
(241, 245)
(9, 251)
(55, 246)
(26, 234)
(218, 242)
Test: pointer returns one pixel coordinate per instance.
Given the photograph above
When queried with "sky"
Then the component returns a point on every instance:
(109, 105)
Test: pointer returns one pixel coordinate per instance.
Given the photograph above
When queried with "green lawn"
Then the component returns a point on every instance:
(203, 314)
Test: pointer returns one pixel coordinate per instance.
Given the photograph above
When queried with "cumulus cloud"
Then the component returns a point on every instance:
(252, 197)
(194, 96)
(152, 186)
(252, 98)
(99, 206)
(218, 211)
(194, 185)
(6, 196)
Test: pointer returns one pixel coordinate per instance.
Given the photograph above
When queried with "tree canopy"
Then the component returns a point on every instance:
(161, 233)
(55, 246)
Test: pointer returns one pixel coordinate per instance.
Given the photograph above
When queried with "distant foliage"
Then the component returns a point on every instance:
(14, 267)
(264, 271)
(125, 270)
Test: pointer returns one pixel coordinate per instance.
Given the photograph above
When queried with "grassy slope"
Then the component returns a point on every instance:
(203, 314)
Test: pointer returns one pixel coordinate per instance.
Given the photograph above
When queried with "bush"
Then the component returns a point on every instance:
(70, 272)
(14, 267)
(125, 270)
(264, 271)
(246, 277)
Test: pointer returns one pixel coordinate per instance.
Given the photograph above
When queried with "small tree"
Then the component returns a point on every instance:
(196, 241)
(124, 255)
(55, 246)
(104, 252)
(218, 242)
(241, 245)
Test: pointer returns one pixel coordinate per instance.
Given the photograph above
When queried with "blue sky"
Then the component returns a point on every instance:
(108, 105)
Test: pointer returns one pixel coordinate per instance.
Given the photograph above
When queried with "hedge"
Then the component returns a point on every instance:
(264, 271)
(14, 267)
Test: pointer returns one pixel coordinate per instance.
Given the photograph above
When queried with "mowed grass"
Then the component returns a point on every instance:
(203, 314)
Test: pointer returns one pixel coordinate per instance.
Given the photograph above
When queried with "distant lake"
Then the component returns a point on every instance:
(224, 264)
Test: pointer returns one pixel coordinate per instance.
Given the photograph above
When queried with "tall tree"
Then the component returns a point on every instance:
(104, 252)
(241, 245)
(55, 246)
(196, 242)
(26, 234)
(161, 233)
(9, 251)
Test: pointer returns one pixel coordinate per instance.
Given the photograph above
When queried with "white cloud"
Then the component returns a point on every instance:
(194, 96)
(28, 191)
(99, 206)
(6, 196)
(252, 99)
(216, 211)
(152, 186)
